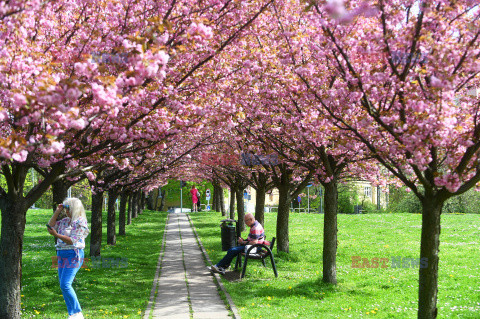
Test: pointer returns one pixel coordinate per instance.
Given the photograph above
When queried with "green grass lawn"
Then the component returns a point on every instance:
(361, 292)
(103, 291)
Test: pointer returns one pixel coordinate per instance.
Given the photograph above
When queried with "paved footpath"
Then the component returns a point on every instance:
(185, 287)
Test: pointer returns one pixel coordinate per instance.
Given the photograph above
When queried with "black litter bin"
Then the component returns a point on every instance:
(228, 233)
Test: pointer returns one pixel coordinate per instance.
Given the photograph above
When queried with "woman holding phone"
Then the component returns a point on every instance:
(70, 233)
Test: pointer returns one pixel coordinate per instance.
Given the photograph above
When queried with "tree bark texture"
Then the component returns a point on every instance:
(96, 224)
(135, 205)
(11, 245)
(122, 213)
(142, 202)
(152, 199)
(261, 189)
(240, 209)
(283, 218)
(232, 202)
(222, 201)
(214, 196)
(59, 193)
(330, 233)
(111, 216)
(260, 205)
(130, 208)
(162, 201)
(429, 247)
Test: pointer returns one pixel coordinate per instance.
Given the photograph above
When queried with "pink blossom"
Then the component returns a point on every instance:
(90, 176)
(19, 100)
(55, 148)
(78, 124)
(21, 156)
(73, 94)
(436, 82)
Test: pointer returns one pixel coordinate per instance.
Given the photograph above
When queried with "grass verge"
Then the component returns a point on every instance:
(361, 292)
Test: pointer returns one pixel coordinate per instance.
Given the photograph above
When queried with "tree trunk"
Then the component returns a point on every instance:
(121, 213)
(111, 216)
(59, 193)
(162, 202)
(429, 247)
(135, 205)
(151, 201)
(282, 218)
(158, 192)
(214, 196)
(261, 189)
(218, 196)
(232, 202)
(240, 209)
(142, 202)
(260, 205)
(11, 245)
(96, 224)
(222, 202)
(130, 208)
(330, 233)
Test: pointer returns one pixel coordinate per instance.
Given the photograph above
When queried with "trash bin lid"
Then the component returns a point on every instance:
(229, 221)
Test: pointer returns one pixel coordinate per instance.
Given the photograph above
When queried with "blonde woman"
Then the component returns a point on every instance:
(70, 232)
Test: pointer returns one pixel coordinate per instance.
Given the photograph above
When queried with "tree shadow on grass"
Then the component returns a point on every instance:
(310, 289)
(232, 276)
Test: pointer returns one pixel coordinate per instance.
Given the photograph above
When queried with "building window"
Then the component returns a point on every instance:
(367, 191)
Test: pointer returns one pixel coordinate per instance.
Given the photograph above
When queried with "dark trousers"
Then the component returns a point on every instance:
(231, 253)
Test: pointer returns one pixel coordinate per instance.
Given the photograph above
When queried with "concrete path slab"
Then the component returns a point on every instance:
(184, 287)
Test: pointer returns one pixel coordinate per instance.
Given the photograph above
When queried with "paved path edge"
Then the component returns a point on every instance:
(151, 302)
(218, 280)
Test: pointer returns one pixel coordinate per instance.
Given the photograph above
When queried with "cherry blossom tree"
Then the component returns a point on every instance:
(400, 77)
(79, 77)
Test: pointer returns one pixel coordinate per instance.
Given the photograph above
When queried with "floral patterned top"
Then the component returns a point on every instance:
(76, 230)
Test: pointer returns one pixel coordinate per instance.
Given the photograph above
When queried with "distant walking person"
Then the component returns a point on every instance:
(70, 233)
(194, 193)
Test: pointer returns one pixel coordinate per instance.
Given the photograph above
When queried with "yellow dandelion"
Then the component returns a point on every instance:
(253, 304)
(289, 287)
(376, 309)
(368, 312)
(139, 312)
(269, 298)
(37, 312)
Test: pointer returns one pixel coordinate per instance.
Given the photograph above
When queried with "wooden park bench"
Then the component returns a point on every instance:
(263, 251)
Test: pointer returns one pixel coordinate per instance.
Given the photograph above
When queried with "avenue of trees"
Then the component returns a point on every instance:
(267, 93)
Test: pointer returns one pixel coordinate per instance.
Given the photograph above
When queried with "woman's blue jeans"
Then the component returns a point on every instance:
(231, 253)
(68, 265)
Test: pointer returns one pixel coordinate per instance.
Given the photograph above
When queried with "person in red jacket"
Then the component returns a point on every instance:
(194, 193)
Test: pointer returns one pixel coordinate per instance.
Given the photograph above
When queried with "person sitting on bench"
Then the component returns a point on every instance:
(256, 236)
